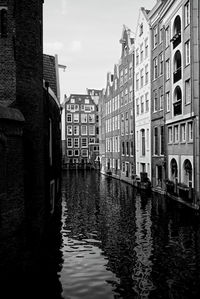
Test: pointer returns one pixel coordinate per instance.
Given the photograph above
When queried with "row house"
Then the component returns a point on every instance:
(180, 22)
(80, 128)
(126, 87)
(158, 161)
(143, 96)
(117, 118)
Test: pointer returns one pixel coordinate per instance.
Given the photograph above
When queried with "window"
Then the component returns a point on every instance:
(155, 36)
(156, 141)
(131, 121)
(127, 148)
(187, 13)
(137, 56)
(83, 130)
(76, 118)
(190, 131)
(72, 101)
(126, 96)
(161, 64)
(141, 77)
(155, 100)
(146, 74)
(83, 118)
(91, 130)
(91, 140)
(130, 69)
(160, 34)
(126, 124)
(170, 136)
(155, 68)
(76, 142)
(87, 108)
(69, 130)
(142, 104)
(69, 142)
(77, 107)
(87, 101)
(3, 23)
(187, 52)
(147, 138)
(137, 107)
(167, 69)
(187, 92)
(167, 36)
(130, 93)
(183, 133)
(84, 142)
(176, 134)
(84, 153)
(123, 148)
(146, 47)
(91, 118)
(168, 101)
(141, 29)
(162, 145)
(137, 81)
(72, 107)
(69, 117)
(121, 77)
(125, 74)
(69, 153)
(161, 97)
(131, 149)
(122, 124)
(76, 130)
(141, 53)
(76, 152)
(147, 102)
(143, 142)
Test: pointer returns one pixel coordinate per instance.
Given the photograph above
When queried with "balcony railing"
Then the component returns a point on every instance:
(178, 107)
(176, 39)
(177, 75)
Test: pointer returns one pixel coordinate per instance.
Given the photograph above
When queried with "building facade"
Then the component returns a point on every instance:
(80, 126)
(126, 89)
(143, 96)
(182, 97)
(117, 118)
(158, 163)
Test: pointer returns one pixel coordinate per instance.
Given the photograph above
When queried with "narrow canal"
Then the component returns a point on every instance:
(116, 243)
(109, 242)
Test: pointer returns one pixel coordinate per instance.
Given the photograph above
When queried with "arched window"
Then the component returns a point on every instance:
(177, 101)
(176, 32)
(143, 142)
(187, 174)
(3, 23)
(177, 66)
(174, 169)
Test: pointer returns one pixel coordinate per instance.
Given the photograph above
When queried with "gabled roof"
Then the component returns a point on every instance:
(127, 40)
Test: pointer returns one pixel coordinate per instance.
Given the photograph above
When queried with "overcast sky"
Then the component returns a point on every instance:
(85, 34)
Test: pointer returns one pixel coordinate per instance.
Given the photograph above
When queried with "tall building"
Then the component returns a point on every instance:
(117, 115)
(80, 129)
(143, 95)
(126, 89)
(180, 20)
(158, 163)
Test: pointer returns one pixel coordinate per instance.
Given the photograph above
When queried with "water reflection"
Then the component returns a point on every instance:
(118, 244)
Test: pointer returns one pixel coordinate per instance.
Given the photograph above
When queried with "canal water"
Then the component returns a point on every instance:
(108, 241)
(116, 243)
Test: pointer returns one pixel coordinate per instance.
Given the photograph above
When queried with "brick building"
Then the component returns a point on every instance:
(80, 128)
(29, 126)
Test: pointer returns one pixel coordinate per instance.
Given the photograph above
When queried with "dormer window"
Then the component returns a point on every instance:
(3, 23)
